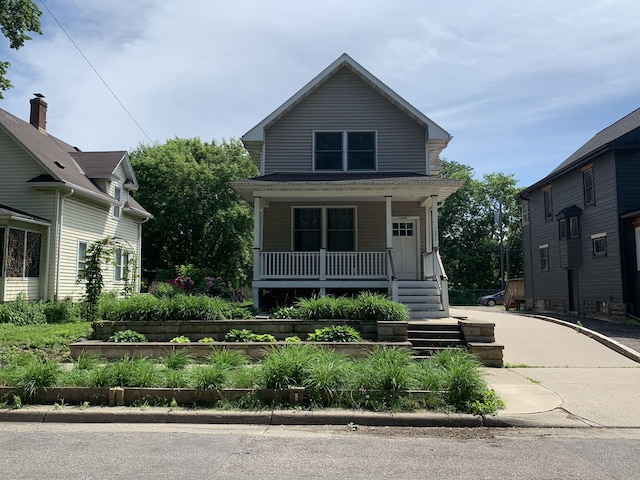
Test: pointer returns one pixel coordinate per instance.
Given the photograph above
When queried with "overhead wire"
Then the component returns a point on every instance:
(104, 82)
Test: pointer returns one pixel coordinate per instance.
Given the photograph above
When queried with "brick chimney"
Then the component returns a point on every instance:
(38, 117)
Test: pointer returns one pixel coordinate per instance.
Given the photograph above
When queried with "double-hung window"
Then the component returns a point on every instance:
(589, 186)
(344, 150)
(544, 257)
(548, 204)
(117, 194)
(328, 227)
(121, 265)
(82, 258)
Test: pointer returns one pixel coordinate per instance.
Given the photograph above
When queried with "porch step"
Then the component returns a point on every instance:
(422, 297)
(428, 338)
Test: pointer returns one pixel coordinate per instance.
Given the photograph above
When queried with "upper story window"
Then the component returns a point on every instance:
(525, 212)
(589, 186)
(345, 151)
(121, 267)
(548, 204)
(117, 194)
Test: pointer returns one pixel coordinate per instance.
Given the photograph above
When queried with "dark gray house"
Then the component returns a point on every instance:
(581, 228)
(348, 194)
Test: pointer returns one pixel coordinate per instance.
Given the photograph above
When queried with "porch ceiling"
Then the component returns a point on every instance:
(363, 187)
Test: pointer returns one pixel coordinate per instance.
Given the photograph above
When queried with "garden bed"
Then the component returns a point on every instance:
(254, 350)
(163, 331)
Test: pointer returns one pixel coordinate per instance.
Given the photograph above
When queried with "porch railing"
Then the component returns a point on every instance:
(322, 265)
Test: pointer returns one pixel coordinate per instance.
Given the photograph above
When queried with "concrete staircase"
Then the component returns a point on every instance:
(422, 297)
(429, 337)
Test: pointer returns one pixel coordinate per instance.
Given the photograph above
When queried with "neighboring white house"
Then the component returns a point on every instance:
(348, 194)
(55, 200)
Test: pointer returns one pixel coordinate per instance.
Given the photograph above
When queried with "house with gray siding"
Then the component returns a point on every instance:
(581, 228)
(348, 194)
(55, 200)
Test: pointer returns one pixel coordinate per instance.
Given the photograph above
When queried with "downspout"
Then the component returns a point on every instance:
(139, 253)
(59, 239)
(48, 262)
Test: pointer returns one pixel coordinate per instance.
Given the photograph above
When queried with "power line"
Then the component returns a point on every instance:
(95, 71)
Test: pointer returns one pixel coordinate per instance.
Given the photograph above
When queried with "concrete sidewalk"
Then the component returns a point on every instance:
(559, 376)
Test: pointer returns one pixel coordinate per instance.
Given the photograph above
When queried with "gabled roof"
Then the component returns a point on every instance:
(437, 135)
(65, 165)
(102, 165)
(599, 143)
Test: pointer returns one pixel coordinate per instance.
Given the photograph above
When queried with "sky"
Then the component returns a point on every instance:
(520, 85)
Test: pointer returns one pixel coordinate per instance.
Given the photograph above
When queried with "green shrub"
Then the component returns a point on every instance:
(328, 307)
(22, 312)
(126, 372)
(335, 333)
(239, 335)
(231, 358)
(180, 339)
(285, 367)
(127, 336)
(375, 306)
(326, 377)
(294, 339)
(209, 377)
(31, 373)
(206, 340)
(264, 338)
(285, 313)
(163, 290)
(65, 311)
(177, 359)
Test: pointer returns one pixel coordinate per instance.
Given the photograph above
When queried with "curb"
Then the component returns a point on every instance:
(608, 342)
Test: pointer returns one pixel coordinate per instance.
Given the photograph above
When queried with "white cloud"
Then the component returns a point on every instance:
(520, 85)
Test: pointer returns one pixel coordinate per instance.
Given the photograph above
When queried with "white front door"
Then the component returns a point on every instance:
(405, 248)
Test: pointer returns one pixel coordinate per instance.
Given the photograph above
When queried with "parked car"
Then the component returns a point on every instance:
(492, 300)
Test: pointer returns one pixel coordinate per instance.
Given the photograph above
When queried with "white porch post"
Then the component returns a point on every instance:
(435, 242)
(257, 268)
(389, 226)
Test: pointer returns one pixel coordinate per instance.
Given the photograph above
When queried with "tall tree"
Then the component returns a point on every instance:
(17, 19)
(470, 228)
(199, 220)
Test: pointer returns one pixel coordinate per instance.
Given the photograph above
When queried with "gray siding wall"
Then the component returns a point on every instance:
(599, 278)
(628, 175)
(345, 102)
(370, 224)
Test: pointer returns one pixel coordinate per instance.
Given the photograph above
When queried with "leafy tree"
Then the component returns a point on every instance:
(17, 19)
(199, 220)
(470, 227)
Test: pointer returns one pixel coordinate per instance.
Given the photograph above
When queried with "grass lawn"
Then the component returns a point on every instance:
(52, 340)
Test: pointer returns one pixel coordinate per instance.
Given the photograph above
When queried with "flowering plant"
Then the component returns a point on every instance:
(185, 284)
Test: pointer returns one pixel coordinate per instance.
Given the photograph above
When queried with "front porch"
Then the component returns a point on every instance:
(346, 232)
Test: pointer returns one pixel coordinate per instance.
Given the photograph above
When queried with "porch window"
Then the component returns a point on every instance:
(340, 230)
(574, 227)
(345, 151)
(23, 253)
(544, 257)
(121, 265)
(589, 186)
(332, 227)
(82, 258)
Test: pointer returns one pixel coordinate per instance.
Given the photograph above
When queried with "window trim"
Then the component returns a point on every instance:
(117, 195)
(80, 260)
(544, 267)
(548, 203)
(25, 249)
(120, 265)
(345, 150)
(588, 172)
(596, 239)
(324, 224)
